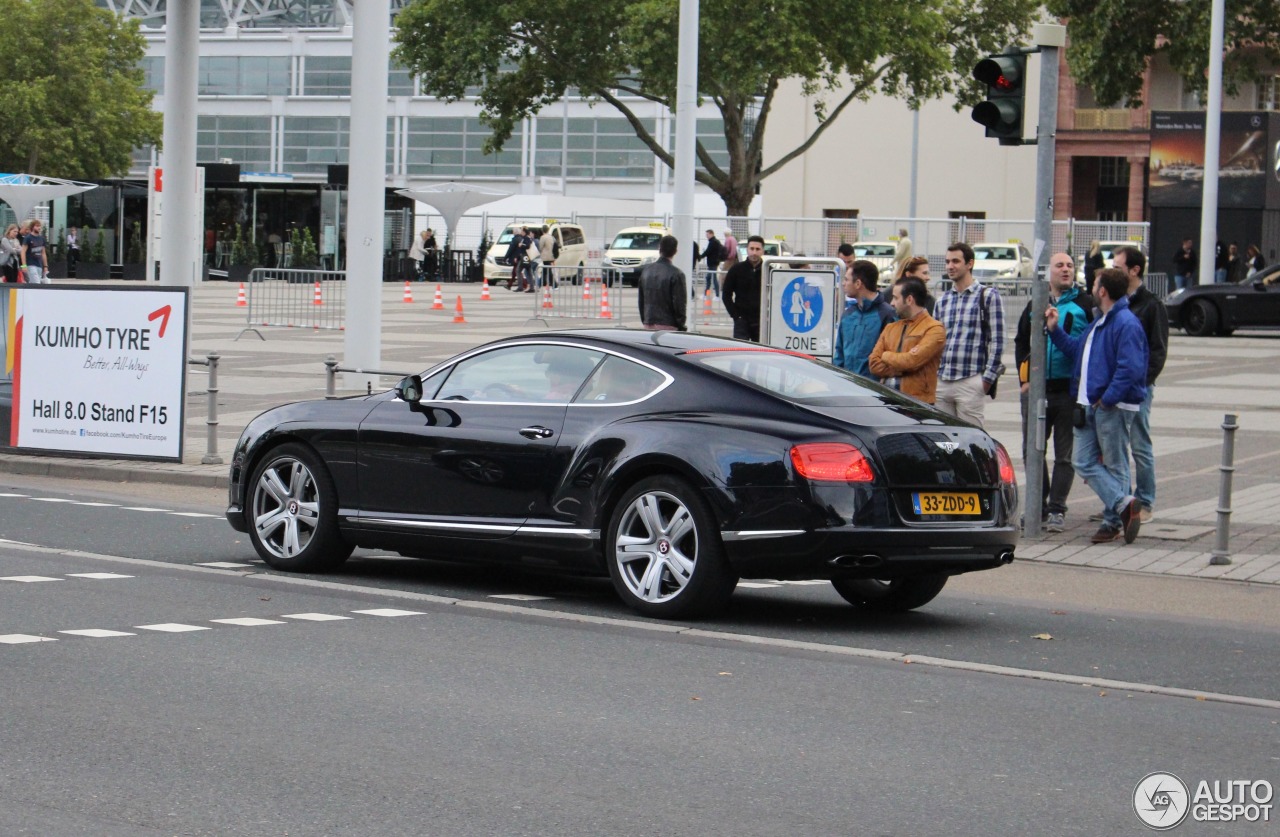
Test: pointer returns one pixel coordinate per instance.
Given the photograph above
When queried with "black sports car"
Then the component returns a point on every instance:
(676, 463)
(1202, 310)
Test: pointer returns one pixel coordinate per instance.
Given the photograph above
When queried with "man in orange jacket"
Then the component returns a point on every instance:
(909, 351)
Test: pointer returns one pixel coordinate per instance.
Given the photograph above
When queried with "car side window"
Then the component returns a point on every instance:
(572, 236)
(520, 374)
(619, 381)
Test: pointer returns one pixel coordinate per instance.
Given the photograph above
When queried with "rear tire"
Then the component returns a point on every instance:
(664, 552)
(1201, 318)
(890, 595)
(292, 512)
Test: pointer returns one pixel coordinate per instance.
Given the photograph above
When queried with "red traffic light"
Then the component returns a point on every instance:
(1003, 72)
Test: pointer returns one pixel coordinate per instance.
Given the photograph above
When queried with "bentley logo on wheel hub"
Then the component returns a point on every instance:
(664, 546)
(293, 507)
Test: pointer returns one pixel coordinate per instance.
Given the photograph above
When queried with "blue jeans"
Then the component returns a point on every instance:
(1220, 275)
(1102, 457)
(710, 281)
(1144, 457)
(1181, 280)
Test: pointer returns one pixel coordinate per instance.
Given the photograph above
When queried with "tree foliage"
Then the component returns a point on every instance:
(75, 104)
(525, 57)
(1112, 42)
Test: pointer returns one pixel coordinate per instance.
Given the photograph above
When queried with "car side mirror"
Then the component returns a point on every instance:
(410, 389)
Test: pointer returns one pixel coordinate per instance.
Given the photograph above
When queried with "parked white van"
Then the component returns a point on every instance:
(630, 250)
(570, 237)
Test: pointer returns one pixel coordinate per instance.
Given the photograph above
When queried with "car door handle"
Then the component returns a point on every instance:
(537, 432)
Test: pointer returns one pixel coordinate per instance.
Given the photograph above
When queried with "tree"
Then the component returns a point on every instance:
(77, 107)
(1112, 42)
(524, 58)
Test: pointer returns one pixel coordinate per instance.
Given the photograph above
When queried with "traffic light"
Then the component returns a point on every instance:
(1005, 78)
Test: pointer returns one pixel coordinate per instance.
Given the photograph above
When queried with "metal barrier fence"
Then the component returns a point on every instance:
(579, 293)
(295, 299)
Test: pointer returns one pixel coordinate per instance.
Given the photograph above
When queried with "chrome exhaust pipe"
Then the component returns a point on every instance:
(861, 562)
(1006, 557)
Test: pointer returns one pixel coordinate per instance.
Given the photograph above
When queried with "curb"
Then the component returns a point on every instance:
(117, 471)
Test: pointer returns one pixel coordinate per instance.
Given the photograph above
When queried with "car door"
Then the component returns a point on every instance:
(481, 452)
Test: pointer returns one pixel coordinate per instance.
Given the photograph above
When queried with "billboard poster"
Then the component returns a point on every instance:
(97, 371)
(1176, 173)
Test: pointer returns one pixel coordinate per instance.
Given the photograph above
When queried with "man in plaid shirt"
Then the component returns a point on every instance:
(975, 342)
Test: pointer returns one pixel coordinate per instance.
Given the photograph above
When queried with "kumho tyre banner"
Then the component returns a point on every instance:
(97, 371)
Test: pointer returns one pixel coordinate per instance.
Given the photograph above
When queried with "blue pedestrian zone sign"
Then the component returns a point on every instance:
(801, 305)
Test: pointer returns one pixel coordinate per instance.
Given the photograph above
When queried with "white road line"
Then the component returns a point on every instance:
(521, 597)
(144, 508)
(172, 628)
(22, 639)
(223, 565)
(103, 505)
(97, 633)
(49, 500)
(100, 576)
(27, 579)
(195, 514)
(13, 495)
(390, 611)
(314, 617)
(248, 621)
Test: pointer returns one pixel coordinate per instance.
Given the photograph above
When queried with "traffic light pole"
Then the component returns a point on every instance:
(1050, 38)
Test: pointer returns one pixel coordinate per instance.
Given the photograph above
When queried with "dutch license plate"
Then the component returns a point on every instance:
(945, 503)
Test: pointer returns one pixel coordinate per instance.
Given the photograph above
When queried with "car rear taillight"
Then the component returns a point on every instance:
(1007, 476)
(831, 462)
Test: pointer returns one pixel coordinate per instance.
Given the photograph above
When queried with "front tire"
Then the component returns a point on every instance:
(1201, 319)
(890, 595)
(293, 512)
(664, 552)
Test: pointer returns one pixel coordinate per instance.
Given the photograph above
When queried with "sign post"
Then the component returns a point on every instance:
(800, 307)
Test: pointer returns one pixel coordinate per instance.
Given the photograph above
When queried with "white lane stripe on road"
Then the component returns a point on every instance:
(173, 628)
(144, 508)
(97, 633)
(195, 514)
(22, 639)
(248, 621)
(222, 565)
(390, 611)
(102, 505)
(13, 495)
(100, 576)
(314, 617)
(49, 500)
(28, 579)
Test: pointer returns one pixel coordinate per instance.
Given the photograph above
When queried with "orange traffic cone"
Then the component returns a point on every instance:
(586, 288)
(484, 290)
(605, 313)
(241, 302)
(457, 317)
(546, 297)
(408, 293)
(706, 304)
(318, 300)
(438, 304)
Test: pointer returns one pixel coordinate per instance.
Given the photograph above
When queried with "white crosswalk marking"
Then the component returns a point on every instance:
(26, 579)
(173, 627)
(97, 633)
(248, 621)
(314, 617)
(389, 611)
(99, 576)
(22, 639)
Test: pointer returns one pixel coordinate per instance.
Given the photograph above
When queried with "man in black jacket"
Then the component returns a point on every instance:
(742, 292)
(1150, 311)
(661, 290)
(714, 254)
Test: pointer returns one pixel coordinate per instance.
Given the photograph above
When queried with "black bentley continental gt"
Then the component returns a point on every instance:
(675, 463)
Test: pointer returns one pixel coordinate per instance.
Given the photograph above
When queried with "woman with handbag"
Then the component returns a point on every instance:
(11, 254)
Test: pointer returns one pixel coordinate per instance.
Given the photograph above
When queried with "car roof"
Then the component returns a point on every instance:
(663, 230)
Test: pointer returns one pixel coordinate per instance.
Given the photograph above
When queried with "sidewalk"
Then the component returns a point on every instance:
(1194, 392)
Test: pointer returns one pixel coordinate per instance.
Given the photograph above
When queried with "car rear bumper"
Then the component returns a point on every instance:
(855, 552)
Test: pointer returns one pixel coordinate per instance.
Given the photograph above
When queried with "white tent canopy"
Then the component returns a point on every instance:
(23, 191)
(453, 199)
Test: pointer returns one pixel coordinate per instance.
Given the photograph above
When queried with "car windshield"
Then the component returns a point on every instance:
(994, 254)
(771, 248)
(506, 236)
(791, 375)
(636, 241)
(864, 250)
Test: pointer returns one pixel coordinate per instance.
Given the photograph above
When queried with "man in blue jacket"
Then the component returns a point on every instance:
(865, 316)
(1110, 375)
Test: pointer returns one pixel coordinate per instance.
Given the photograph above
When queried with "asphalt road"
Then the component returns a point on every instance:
(408, 697)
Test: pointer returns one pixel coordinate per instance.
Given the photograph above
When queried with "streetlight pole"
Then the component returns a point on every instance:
(1212, 145)
(686, 134)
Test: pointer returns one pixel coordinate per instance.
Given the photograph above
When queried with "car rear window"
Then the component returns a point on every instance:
(789, 374)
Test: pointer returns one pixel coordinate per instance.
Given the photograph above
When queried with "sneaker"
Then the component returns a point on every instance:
(1106, 534)
(1095, 517)
(1056, 522)
(1147, 515)
(1131, 519)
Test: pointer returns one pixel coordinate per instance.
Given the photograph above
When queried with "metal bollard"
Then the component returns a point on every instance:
(1221, 552)
(211, 447)
(330, 377)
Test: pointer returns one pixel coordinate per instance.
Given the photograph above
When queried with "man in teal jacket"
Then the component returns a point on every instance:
(1109, 386)
(865, 316)
(1075, 311)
